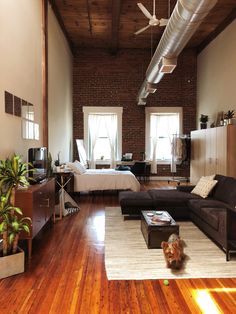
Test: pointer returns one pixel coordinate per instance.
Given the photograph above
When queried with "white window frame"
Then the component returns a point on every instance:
(153, 110)
(95, 110)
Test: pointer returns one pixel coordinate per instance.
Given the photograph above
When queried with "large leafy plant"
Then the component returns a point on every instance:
(13, 173)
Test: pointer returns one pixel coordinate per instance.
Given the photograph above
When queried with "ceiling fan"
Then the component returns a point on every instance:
(153, 21)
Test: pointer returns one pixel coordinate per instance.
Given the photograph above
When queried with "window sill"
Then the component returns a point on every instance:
(102, 162)
(163, 162)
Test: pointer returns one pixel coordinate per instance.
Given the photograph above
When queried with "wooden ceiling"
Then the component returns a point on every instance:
(111, 24)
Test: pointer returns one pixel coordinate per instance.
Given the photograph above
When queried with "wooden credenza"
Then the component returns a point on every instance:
(36, 202)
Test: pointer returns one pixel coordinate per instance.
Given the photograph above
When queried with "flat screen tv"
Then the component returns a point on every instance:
(38, 158)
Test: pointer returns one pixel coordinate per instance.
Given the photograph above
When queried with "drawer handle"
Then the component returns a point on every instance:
(48, 202)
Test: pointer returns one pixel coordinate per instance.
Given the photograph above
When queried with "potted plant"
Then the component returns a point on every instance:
(203, 121)
(12, 175)
(229, 116)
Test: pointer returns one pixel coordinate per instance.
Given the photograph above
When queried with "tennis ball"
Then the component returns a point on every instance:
(166, 282)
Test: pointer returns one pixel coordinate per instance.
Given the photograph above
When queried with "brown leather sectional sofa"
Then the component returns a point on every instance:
(209, 214)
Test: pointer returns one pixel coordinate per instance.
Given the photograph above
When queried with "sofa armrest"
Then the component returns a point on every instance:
(185, 188)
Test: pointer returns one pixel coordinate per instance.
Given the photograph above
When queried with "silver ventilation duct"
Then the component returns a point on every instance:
(184, 21)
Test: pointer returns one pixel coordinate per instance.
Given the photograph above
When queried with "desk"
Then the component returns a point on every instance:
(138, 168)
(131, 162)
(62, 179)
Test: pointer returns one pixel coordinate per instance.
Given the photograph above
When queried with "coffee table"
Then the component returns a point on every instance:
(155, 233)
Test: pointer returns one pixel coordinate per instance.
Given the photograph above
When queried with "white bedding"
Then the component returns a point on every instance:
(105, 179)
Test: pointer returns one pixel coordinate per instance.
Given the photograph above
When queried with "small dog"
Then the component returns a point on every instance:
(173, 251)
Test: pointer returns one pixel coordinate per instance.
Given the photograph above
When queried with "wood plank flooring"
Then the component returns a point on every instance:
(67, 275)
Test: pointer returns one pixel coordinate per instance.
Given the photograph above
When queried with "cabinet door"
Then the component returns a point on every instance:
(211, 142)
(197, 167)
(49, 199)
(43, 204)
(221, 150)
(231, 150)
(38, 211)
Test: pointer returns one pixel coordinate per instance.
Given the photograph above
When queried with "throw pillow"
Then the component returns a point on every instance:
(80, 167)
(204, 187)
(76, 166)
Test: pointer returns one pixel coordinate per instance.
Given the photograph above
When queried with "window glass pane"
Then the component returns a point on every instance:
(30, 130)
(30, 113)
(162, 127)
(102, 132)
(24, 110)
(36, 131)
(102, 148)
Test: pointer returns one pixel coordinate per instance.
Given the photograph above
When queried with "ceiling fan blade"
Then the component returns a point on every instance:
(142, 29)
(163, 22)
(144, 10)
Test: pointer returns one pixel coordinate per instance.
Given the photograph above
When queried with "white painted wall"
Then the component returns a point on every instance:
(216, 75)
(60, 91)
(21, 75)
(20, 66)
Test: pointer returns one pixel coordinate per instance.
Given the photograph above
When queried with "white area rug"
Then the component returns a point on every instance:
(127, 256)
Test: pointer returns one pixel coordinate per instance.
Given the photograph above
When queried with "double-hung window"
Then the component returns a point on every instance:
(102, 134)
(161, 124)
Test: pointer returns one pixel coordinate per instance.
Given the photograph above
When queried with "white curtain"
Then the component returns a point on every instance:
(94, 121)
(154, 140)
(154, 155)
(111, 127)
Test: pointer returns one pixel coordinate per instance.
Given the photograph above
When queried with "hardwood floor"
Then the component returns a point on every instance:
(67, 275)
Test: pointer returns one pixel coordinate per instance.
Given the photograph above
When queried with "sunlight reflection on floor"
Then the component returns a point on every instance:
(206, 302)
(98, 226)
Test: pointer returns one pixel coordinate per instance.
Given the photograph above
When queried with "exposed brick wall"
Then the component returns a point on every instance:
(101, 79)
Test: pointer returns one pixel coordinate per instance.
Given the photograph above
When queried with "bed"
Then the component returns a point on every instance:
(105, 179)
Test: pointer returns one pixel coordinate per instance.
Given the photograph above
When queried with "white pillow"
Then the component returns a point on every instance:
(76, 166)
(80, 166)
(204, 187)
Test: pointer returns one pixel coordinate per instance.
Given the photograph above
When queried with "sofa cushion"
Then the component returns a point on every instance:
(127, 198)
(225, 190)
(171, 197)
(211, 216)
(196, 205)
(185, 188)
(204, 187)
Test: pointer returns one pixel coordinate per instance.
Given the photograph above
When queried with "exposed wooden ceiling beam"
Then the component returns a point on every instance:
(62, 25)
(116, 7)
(89, 18)
(217, 31)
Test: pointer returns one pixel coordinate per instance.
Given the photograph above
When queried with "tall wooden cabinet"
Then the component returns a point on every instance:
(198, 151)
(36, 202)
(213, 151)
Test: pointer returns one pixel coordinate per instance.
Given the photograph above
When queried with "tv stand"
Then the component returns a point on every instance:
(36, 202)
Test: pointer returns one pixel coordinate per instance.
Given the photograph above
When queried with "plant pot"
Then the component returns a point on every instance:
(203, 125)
(12, 264)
